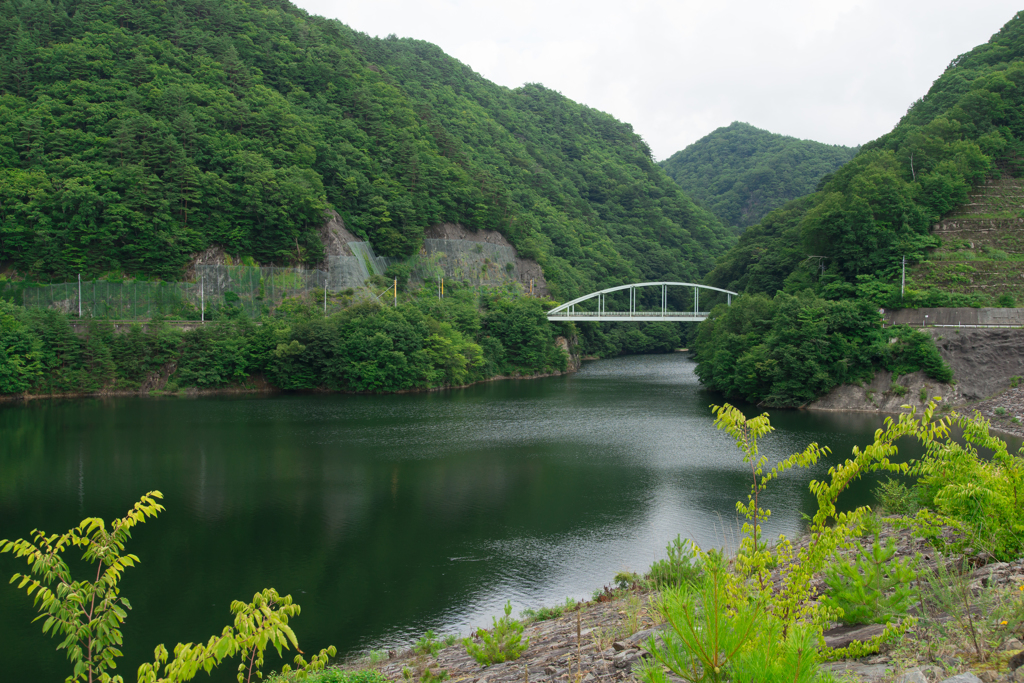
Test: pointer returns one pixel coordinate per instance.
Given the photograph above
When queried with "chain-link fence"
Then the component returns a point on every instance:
(256, 290)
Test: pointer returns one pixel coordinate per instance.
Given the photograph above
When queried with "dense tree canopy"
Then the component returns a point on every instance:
(789, 350)
(135, 134)
(741, 173)
(425, 343)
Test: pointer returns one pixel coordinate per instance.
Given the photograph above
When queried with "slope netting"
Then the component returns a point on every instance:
(475, 263)
(255, 289)
(258, 290)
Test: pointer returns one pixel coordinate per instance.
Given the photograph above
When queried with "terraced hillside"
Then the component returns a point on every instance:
(982, 244)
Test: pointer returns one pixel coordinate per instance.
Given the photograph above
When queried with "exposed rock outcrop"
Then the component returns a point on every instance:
(335, 236)
(886, 394)
(984, 362)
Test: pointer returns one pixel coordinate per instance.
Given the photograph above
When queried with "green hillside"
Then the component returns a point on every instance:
(740, 172)
(832, 259)
(881, 205)
(133, 135)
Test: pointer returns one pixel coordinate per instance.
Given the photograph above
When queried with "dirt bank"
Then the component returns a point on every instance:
(984, 361)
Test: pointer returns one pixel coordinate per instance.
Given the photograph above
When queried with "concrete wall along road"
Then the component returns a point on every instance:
(953, 317)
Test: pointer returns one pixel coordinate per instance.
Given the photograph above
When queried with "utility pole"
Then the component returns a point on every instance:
(903, 281)
(821, 264)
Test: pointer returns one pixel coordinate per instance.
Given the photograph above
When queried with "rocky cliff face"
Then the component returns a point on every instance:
(985, 363)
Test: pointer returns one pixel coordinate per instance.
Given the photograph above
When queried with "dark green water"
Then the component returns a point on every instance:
(387, 515)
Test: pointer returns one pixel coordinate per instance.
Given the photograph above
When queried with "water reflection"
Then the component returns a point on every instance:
(388, 515)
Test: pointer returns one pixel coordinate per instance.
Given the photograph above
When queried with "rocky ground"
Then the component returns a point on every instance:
(1006, 411)
(604, 640)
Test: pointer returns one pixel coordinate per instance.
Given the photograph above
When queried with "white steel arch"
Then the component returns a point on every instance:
(567, 311)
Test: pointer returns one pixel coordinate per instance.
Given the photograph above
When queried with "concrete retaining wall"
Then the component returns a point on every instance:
(924, 317)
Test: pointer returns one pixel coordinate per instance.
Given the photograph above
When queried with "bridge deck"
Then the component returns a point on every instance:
(626, 316)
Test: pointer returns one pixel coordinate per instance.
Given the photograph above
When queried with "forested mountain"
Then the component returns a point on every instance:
(880, 206)
(740, 172)
(133, 135)
(832, 259)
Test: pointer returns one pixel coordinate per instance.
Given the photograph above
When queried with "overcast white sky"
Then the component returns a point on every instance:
(835, 71)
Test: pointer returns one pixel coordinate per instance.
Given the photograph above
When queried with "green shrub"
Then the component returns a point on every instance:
(626, 579)
(334, 675)
(895, 497)
(979, 495)
(427, 645)
(898, 389)
(678, 568)
(503, 643)
(1014, 381)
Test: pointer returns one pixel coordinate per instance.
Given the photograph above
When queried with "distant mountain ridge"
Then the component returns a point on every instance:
(848, 239)
(740, 173)
(134, 135)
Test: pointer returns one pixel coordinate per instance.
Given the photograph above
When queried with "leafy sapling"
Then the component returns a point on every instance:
(88, 614)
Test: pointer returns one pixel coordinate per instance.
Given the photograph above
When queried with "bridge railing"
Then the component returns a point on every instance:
(628, 314)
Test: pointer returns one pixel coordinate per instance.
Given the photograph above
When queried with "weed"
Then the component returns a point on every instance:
(605, 636)
(1014, 381)
(949, 592)
(342, 676)
(713, 636)
(431, 676)
(89, 614)
(545, 613)
(1000, 411)
(898, 389)
(377, 656)
(923, 396)
(635, 613)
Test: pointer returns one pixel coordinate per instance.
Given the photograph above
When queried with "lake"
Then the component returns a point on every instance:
(384, 516)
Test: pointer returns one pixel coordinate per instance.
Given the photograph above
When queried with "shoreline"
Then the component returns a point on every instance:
(193, 392)
(601, 640)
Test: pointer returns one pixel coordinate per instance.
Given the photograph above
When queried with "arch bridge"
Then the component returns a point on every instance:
(567, 311)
